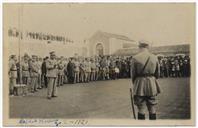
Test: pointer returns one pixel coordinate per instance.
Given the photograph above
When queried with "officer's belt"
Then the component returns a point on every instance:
(145, 75)
(13, 70)
(25, 70)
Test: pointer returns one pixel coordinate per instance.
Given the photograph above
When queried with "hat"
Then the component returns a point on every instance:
(26, 55)
(52, 52)
(34, 56)
(12, 56)
(143, 44)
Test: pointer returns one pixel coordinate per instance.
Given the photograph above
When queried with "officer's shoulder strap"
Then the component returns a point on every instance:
(145, 65)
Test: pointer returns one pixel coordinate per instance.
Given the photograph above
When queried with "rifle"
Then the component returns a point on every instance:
(132, 103)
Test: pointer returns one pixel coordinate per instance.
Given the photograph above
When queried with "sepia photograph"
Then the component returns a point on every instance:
(98, 64)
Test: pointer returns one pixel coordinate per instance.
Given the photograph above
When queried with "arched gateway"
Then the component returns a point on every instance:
(99, 49)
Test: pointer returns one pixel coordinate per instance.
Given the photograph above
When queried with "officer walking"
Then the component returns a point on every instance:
(51, 66)
(145, 71)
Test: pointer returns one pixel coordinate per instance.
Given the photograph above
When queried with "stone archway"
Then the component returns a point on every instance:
(99, 49)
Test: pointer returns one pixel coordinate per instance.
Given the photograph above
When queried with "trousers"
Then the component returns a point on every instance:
(51, 88)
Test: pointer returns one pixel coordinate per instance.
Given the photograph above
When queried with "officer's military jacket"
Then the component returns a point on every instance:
(25, 69)
(88, 66)
(145, 83)
(39, 64)
(77, 64)
(51, 66)
(12, 69)
(34, 70)
(93, 66)
(61, 67)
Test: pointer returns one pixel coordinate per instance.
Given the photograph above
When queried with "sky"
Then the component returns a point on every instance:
(160, 24)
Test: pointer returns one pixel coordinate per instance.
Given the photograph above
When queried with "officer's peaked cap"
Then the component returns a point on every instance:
(143, 44)
(52, 52)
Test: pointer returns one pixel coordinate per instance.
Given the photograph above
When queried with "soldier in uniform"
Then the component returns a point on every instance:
(12, 73)
(87, 69)
(82, 70)
(93, 70)
(145, 71)
(76, 70)
(97, 68)
(65, 71)
(39, 64)
(34, 70)
(25, 70)
(60, 72)
(51, 66)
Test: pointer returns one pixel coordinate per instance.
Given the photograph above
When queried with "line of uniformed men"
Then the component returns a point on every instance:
(33, 71)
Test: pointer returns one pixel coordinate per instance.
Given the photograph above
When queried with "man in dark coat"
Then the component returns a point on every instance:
(71, 70)
(44, 71)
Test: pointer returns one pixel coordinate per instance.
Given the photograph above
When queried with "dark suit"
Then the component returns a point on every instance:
(70, 71)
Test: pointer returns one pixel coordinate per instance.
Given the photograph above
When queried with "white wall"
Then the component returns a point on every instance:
(115, 44)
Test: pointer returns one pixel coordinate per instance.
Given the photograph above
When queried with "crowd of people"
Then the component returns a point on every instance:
(32, 71)
(174, 66)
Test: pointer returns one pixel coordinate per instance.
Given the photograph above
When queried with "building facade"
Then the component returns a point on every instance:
(103, 43)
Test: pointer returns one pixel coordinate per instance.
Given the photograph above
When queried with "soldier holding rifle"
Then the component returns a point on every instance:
(144, 74)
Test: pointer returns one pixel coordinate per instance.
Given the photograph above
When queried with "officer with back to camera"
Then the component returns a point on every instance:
(144, 73)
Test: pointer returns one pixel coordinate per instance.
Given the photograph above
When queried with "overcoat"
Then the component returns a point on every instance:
(145, 81)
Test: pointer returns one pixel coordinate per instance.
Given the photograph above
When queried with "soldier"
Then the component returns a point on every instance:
(145, 71)
(60, 72)
(34, 70)
(97, 68)
(12, 73)
(93, 70)
(112, 69)
(39, 64)
(87, 69)
(65, 71)
(82, 70)
(107, 67)
(51, 66)
(76, 70)
(25, 70)
(103, 64)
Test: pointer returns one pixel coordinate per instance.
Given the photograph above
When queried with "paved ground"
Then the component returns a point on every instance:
(102, 99)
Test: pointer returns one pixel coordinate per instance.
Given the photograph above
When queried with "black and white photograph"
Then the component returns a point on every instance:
(98, 64)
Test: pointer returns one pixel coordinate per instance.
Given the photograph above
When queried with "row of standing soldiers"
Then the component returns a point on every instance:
(32, 71)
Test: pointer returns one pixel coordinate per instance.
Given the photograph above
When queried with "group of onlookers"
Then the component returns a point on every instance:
(174, 66)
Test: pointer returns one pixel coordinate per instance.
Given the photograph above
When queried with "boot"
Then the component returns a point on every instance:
(141, 116)
(152, 116)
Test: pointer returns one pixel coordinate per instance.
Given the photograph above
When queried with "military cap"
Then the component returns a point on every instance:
(52, 52)
(12, 56)
(34, 56)
(143, 44)
(26, 55)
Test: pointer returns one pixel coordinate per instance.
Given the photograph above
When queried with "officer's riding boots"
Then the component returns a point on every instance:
(141, 116)
(152, 116)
